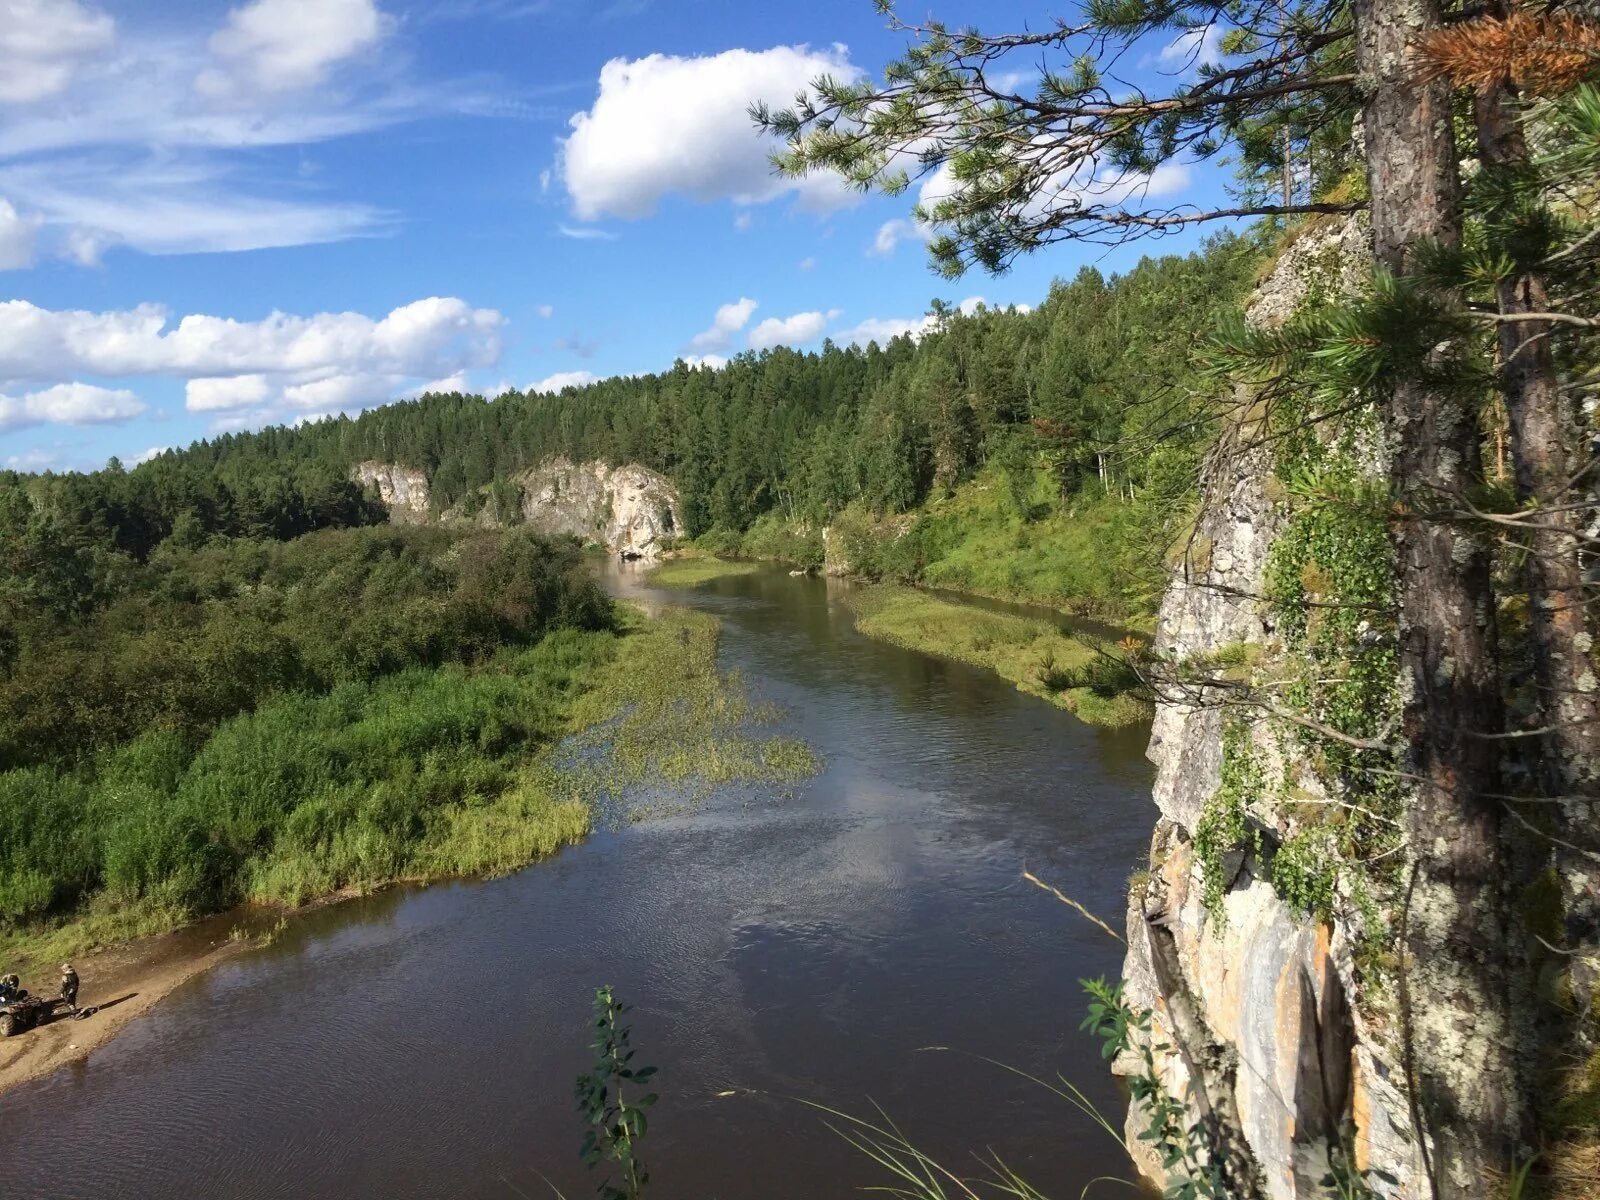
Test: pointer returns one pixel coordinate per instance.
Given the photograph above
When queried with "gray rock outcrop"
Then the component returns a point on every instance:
(1255, 1009)
(630, 509)
(403, 489)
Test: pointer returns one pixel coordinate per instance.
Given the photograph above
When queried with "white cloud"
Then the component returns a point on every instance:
(147, 455)
(17, 236)
(270, 46)
(42, 44)
(250, 370)
(714, 362)
(455, 382)
(562, 380)
(790, 331)
(807, 263)
(884, 330)
(1193, 48)
(84, 246)
(587, 235)
(212, 394)
(114, 144)
(743, 221)
(546, 311)
(892, 233)
(729, 320)
(666, 125)
(426, 338)
(69, 404)
(37, 459)
(175, 205)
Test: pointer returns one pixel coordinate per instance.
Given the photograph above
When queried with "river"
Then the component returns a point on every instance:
(787, 947)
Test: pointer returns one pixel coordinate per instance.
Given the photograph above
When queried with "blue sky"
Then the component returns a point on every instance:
(218, 216)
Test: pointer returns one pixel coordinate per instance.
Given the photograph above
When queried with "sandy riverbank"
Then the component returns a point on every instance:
(124, 982)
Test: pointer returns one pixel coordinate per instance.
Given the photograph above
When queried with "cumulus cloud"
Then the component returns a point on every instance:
(146, 455)
(562, 380)
(730, 319)
(17, 235)
(228, 392)
(270, 46)
(891, 233)
(37, 459)
(425, 338)
(249, 370)
(790, 331)
(546, 311)
(884, 330)
(714, 362)
(69, 404)
(666, 125)
(42, 44)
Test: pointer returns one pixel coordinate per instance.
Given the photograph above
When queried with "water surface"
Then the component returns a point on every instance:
(782, 947)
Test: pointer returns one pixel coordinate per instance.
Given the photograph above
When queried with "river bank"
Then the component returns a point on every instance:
(1082, 673)
(776, 942)
(644, 704)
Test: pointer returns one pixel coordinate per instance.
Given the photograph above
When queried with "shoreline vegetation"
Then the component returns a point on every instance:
(459, 771)
(1092, 682)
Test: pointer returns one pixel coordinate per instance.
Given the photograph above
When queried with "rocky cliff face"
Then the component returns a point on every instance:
(1257, 1026)
(629, 509)
(403, 489)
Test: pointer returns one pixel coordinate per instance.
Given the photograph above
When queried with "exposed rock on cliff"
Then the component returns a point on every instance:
(632, 510)
(403, 489)
(1257, 1025)
(629, 509)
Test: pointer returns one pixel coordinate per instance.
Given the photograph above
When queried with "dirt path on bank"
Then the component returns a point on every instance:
(124, 983)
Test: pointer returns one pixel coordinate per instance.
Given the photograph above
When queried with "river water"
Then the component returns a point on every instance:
(783, 948)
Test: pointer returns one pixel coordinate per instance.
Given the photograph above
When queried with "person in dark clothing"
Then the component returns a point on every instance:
(69, 986)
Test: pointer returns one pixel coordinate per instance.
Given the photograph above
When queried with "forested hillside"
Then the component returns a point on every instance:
(1057, 408)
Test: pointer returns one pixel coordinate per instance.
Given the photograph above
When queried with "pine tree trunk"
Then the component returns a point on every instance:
(1459, 1030)
(1547, 449)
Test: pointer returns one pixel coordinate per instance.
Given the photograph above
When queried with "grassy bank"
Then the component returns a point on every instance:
(421, 775)
(693, 567)
(1004, 534)
(1033, 654)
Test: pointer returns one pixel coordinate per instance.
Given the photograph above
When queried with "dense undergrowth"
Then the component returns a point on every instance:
(246, 720)
(998, 535)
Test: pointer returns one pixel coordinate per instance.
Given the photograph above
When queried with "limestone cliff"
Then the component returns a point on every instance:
(1258, 1024)
(631, 510)
(403, 489)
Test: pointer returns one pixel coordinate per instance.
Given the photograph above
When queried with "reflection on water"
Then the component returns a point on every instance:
(423, 1043)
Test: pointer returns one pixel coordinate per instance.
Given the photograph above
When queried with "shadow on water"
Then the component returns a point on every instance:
(423, 1042)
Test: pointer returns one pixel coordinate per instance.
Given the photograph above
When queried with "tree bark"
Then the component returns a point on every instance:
(1547, 450)
(1460, 1030)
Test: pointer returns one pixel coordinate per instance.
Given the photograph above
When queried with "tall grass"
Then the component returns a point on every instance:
(423, 774)
(1033, 654)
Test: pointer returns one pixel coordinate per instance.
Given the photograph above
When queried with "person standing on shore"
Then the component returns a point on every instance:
(69, 986)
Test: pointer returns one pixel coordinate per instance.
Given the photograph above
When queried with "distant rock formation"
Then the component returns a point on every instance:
(631, 510)
(403, 489)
